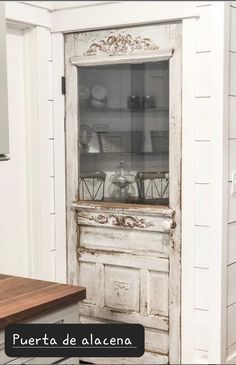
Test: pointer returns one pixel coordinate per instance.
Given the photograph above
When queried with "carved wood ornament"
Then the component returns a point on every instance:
(120, 44)
(121, 220)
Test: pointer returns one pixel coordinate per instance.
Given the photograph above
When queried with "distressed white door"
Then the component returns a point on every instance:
(127, 256)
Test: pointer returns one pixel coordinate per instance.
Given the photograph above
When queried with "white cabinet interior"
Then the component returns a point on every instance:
(124, 132)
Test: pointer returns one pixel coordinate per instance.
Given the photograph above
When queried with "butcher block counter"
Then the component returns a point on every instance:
(25, 300)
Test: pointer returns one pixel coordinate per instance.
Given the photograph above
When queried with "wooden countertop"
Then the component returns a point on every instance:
(22, 298)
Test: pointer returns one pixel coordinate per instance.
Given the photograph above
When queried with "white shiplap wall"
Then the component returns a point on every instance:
(39, 111)
(14, 223)
(46, 245)
(231, 261)
(203, 146)
(45, 71)
(203, 102)
(203, 188)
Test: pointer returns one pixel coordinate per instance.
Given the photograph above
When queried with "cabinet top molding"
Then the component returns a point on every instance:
(120, 44)
(136, 57)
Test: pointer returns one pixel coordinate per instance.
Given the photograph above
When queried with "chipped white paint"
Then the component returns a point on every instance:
(114, 258)
(231, 259)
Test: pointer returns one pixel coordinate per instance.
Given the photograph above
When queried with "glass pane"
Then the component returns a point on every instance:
(124, 133)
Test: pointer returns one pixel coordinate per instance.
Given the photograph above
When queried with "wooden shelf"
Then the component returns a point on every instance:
(123, 153)
(123, 110)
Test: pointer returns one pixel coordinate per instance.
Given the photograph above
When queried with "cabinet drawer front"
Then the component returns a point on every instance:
(113, 239)
(114, 283)
(145, 222)
(121, 288)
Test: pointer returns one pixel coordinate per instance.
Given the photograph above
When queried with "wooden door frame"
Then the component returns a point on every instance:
(72, 166)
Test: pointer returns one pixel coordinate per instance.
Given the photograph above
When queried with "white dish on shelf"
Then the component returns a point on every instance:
(99, 92)
(98, 103)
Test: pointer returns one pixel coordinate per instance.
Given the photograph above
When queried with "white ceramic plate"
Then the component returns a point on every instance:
(97, 103)
(99, 92)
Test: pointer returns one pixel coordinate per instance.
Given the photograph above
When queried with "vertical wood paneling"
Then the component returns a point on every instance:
(49, 89)
(41, 158)
(203, 76)
(202, 246)
(46, 158)
(231, 328)
(52, 232)
(231, 243)
(204, 120)
(204, 22)
(232, 116)
(188, 198)
(51, 157)
(14, 197)
(231, 254)
(218, 254)
(203, 199)
(51, 121)
(201, 289)
(203, 162)
(52, 255)
(231, 205)
(233, 29)
(231, 259)
(231, 284)
(201, 328)
(232, 79)
(232, 158)
(52, 193)
(49, 48)
(4, 123)
(59, 156)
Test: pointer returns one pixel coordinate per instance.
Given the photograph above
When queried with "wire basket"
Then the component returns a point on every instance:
(92, 186)
(121, 141)
(152, 185)
(160, 141)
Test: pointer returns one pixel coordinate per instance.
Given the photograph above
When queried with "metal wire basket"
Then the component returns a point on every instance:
(92, 186)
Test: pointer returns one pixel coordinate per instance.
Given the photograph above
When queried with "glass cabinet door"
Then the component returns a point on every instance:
(124, 133)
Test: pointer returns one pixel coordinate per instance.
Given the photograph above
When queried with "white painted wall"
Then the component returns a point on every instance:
(231, 259)
(47, 168)
(30, 230)
(204, 194)
(14, 224)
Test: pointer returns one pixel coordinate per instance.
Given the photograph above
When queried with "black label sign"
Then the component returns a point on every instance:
(66, 340)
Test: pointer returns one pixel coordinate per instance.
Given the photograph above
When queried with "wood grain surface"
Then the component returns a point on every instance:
(22, 298)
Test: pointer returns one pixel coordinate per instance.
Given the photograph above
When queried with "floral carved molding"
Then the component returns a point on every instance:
(120, 220)
(120, 44)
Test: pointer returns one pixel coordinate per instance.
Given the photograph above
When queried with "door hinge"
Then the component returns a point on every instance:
(63, 85)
